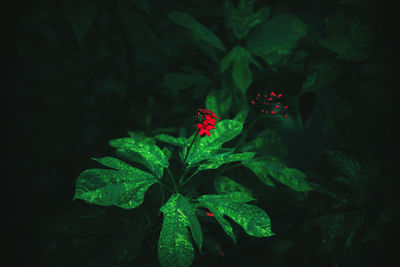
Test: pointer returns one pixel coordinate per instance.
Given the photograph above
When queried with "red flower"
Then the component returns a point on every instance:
(204, 128)
(210, 120)
(208, 112)
(270, 103)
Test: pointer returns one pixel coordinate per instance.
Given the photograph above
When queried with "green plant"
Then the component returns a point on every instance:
(124, 185)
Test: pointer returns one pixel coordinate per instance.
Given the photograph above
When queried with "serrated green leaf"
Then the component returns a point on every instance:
(266, 142)
(80, 15)
(219, 101)
(206, 147)
(243, 19)
(124, 188)
(174, 245)
(254, 220)
(216, 162)
(198, 31)
(224, 185)
(276, 37)
(147, 153)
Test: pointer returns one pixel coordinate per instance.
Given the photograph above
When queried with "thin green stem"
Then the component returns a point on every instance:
(187, 152)
(187, 180)
(173, 180)
(164, 186)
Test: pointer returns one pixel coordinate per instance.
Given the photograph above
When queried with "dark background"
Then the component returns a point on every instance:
(62, 108)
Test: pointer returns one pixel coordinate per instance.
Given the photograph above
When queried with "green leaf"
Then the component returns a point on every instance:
(207, 146)
(146, 152)
(219, 101)
(240, 58)
(124, 187)
(167, 152)
(319, 75)
(290, 177)
(276, 37)
(216, 162)
(349, 37)
(253, 219)
(266, 142)
(348, 166)
(224, 185)
(243, 19)
(174, 245)
(197, 30)
(81, 15)
(260, 169)
(176, 141)
(294, 179)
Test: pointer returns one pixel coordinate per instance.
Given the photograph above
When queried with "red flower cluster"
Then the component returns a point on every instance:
(205, 121)
(270, 103)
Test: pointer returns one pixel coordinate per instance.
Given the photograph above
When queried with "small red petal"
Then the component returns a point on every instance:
(252, 102)
(270, 99)
(285, 116)
(279, 95)
(209, 214)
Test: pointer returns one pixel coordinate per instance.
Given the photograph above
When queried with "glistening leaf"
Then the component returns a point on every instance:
(216, 162)
(124, 187)
(142, 149)
(224, 185)
(197, 30)
(290, 177)
(176, 141)
(206, 147)
(174, 245)
(254, 220)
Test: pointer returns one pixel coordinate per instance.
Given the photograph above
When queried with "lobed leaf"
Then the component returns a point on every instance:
(124, 187)
(137, 148)
(206, 147)
(224, 185)
(254, 220)
(216, 162)
(174, 245)
(290, 177)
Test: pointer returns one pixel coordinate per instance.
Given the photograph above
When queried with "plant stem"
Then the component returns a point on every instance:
(187, 180)
(173, 181)
(187, 152)
(164, 186)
